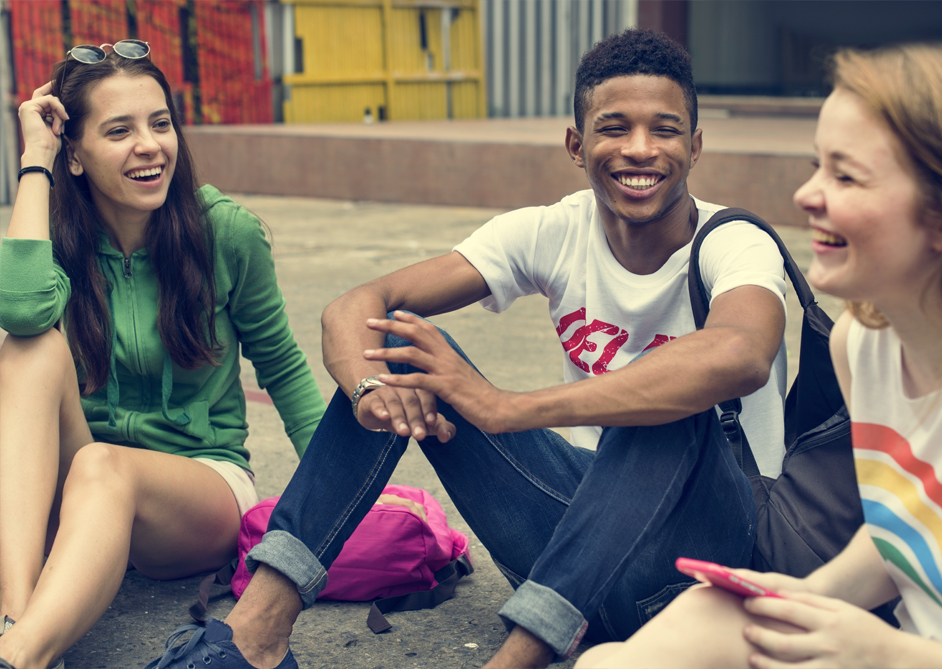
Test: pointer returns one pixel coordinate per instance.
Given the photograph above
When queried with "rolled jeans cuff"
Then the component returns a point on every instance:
(283, 552)
(547, 615)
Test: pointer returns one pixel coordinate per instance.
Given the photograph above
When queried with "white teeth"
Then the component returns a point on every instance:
(137, 174)
(827, 238)
(638, 182)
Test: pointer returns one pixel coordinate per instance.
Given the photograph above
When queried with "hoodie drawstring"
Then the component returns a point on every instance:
(166, 388)
(113, 388)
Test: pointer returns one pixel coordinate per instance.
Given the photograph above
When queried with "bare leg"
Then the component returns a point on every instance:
(171, 515)
(41, 428)
(263, 617)
(702, 628)
(521, 650)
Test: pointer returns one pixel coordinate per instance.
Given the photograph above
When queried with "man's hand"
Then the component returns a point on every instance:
(404, 411)
(448, 376)
(835, 633)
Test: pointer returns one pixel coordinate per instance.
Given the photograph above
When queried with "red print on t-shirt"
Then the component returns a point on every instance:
(658, 340)
(579, 343)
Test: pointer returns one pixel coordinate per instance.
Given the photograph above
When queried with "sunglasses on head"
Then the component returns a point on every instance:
(131, 49)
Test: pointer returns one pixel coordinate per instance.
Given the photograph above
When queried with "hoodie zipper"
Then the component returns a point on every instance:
(132, 324)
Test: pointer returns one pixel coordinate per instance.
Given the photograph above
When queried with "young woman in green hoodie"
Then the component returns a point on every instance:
(122, 417)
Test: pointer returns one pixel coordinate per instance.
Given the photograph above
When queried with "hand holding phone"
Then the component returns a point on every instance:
(721, 577)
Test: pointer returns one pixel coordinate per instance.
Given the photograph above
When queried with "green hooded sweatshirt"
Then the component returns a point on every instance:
(149, 401)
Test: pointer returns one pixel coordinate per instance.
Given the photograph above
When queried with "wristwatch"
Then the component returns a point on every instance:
(363, 387)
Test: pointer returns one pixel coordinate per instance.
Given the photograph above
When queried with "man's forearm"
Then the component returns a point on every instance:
(345, 337)
(434, 286)
(729, 358)
(685, 377)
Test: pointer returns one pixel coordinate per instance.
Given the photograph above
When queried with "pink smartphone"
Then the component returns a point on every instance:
(721, 577)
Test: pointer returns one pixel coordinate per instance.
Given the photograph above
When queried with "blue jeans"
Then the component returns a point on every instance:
(587, 539)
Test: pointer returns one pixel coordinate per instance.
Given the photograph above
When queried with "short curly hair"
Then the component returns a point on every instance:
(635, 51)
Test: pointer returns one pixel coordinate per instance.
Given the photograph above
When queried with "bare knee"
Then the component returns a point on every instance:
(700, 601)
(45, 356)
(712, 610)
(99, 467)
(710, 622)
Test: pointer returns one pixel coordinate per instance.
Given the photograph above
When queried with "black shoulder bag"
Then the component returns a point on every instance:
(810, 512)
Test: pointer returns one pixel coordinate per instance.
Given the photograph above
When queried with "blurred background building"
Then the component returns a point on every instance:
(314, 61)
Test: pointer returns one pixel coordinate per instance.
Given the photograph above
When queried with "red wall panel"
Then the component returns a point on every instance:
(158, 23)
(37, 42)
(228, 89)
(98, 21)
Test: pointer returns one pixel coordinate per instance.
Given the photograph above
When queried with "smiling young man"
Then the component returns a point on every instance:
(587, 538)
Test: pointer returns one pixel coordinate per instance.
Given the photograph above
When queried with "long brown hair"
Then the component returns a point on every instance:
(178, 237)
(902, 85)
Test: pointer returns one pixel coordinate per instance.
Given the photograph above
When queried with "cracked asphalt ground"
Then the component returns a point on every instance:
(323, 248)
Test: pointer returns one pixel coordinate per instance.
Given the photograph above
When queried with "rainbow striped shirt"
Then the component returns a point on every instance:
(897, 447)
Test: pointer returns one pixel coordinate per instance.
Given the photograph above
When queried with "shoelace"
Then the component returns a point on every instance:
(172, 654)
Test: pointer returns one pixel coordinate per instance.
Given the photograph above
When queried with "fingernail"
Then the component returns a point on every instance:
(368, 351)
(403, 426)
(372, 321)
(429, 418)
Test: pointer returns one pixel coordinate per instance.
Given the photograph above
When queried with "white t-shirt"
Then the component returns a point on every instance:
(606, 316)
(898, 458)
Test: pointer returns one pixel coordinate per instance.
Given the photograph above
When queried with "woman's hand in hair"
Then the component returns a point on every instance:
(42, 119)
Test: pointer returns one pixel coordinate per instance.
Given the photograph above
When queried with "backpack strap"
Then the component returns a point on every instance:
(700, 303)
(221, 577)
(447, 578)
(732, 428)
(699, 299)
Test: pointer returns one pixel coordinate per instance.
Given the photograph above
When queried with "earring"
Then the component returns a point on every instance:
(75, 170)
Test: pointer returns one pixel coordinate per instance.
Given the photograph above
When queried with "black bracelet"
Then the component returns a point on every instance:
(37, 168)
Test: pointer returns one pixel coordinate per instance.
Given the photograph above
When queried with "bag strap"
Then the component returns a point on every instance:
(447, 578)
(700, 303)
(699, 299)
(221, 577)
(732, 428)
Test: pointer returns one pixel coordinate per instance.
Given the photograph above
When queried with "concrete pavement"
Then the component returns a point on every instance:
(323, 248)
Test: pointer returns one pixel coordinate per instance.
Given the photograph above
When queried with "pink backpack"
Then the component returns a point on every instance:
(392, 555)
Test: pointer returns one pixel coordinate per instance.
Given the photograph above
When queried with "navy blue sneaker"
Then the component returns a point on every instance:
(212, 645)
